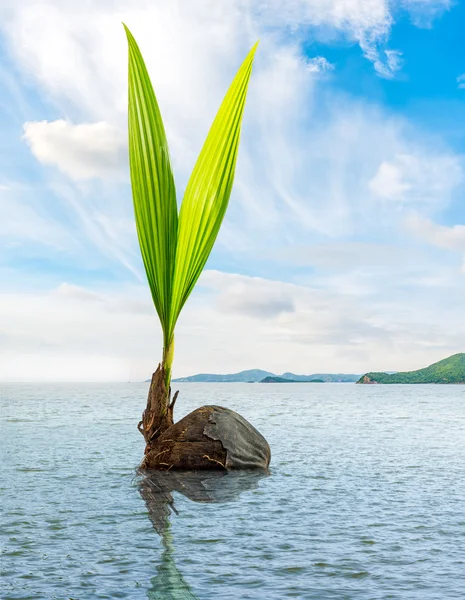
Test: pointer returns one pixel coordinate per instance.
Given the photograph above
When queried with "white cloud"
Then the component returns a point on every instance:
(354, 16)
(205, 42)
(113, 334)
(424, 12)
(299, 171)
(442, 236)
(197, 36)
(319, 64)
(302, 176)
(388, 182)
(394, 60)
(385, 62)
(83, 151)
(461, 81)
(74, 333)
(256, 298)
(76, 292)
(424, 179)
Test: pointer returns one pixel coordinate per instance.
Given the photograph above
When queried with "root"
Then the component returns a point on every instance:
(175, 397)
(213, 460)
(162, 452)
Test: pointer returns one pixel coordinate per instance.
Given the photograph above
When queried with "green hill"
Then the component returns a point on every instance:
(449, 370)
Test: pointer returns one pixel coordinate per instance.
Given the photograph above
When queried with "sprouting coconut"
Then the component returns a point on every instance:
(175, 249)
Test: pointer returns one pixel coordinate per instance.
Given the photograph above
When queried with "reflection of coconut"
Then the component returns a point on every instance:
(200, 486)
(210, 437)
(156, 489)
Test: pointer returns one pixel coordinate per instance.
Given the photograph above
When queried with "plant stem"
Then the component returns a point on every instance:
(168, 355)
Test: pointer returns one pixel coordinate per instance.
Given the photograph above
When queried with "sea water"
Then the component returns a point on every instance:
(365, 498)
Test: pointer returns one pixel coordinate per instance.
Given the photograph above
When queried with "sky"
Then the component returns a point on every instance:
(343, 248)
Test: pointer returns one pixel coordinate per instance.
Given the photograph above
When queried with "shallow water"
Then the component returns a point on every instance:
(365, 500)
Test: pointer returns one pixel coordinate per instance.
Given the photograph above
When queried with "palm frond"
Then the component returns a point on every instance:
(208, 190)
(153, 188)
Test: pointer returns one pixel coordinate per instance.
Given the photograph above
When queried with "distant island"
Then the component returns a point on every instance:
(449, 370)
(284, 380)
(258, 375)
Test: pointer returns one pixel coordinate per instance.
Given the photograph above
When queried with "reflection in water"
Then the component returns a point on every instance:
(169, 584)
(156, 489)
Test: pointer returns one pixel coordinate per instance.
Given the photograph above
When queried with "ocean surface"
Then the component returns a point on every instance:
(365, 498)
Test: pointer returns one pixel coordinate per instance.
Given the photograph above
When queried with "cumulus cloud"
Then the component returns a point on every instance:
(389, 182)
(82, 151)
(461, 81)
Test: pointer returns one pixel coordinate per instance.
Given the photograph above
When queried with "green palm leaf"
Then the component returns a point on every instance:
(152, 181)
(208, 190)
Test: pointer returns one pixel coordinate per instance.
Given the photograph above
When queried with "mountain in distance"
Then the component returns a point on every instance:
(448, 370)
(250, 376)
(257, 375)
(284, 380)
(325, 377)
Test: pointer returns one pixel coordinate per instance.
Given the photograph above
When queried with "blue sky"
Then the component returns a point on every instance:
(344, 244)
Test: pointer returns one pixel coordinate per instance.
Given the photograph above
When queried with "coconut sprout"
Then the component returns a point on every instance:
(175, 246)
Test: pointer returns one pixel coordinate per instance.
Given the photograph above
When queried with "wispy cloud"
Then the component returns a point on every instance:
(386, 62)
(424, 12)
(319, 64)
